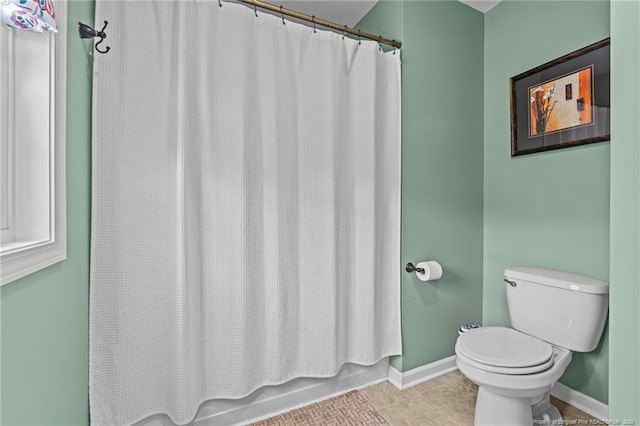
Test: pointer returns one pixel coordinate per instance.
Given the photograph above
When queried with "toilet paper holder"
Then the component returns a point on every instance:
(412, 268)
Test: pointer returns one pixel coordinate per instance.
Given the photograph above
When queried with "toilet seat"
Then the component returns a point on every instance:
(505, 351)
(506, 370)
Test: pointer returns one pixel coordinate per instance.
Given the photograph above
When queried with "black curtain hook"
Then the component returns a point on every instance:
(220, 3)
(359, 37)
(85, 31)
(102, 36)
(255, 9)
(282, 14)
(313, 19)
(344, 32)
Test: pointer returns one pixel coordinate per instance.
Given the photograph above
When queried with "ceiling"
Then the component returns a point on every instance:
(350, 12)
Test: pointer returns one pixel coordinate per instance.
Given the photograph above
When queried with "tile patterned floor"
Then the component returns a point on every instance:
(446, 400)
(351, 408)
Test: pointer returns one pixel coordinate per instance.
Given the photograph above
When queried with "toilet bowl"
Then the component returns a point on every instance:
(514, 372)
(552, 314)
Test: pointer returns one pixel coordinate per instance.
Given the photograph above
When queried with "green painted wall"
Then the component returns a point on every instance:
(442, 160)
(45, 315)
(549, 209)
(624, 349)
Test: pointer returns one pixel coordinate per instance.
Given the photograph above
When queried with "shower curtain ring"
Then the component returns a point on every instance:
(380, 43)
(220, 3)
(313, 19)
(282, 14)
(344, 32)
(359, 37)
(255, 9)
(394, 47)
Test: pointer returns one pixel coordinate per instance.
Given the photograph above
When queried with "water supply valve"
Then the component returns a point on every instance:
(468, 326)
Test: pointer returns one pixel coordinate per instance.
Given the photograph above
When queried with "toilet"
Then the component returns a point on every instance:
(553, 314)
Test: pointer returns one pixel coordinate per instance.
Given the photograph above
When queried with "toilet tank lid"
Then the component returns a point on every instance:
(553, 278)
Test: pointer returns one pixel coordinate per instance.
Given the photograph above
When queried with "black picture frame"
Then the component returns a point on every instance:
(563, 103)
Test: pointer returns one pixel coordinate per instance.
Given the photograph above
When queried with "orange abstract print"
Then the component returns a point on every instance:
(561, 103)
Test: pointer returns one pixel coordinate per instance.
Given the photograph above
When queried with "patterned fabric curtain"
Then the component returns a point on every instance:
(32, 15)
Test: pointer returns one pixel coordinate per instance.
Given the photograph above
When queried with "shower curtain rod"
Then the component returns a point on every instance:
(317, 21)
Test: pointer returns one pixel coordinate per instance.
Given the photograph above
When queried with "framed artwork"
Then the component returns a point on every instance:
(565, 102)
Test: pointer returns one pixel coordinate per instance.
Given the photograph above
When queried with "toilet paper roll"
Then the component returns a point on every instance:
(432, 270)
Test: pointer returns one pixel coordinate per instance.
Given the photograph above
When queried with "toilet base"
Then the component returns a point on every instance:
(493, 409)
(544, 413)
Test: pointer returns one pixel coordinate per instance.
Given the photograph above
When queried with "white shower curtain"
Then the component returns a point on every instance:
(245, 221)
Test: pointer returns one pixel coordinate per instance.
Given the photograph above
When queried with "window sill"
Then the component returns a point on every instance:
(23, 260)
(19, 246)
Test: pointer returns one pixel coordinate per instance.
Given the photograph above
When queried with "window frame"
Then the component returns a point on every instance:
(31, 257)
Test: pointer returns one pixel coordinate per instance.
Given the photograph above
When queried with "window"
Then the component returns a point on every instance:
(32, 149)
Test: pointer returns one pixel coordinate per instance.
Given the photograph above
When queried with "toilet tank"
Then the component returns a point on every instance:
(564, 309)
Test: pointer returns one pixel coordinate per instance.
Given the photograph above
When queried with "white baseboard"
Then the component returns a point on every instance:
(407, 379)
(583, 402)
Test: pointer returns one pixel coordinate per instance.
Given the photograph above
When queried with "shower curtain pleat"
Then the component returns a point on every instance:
(246, 216)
